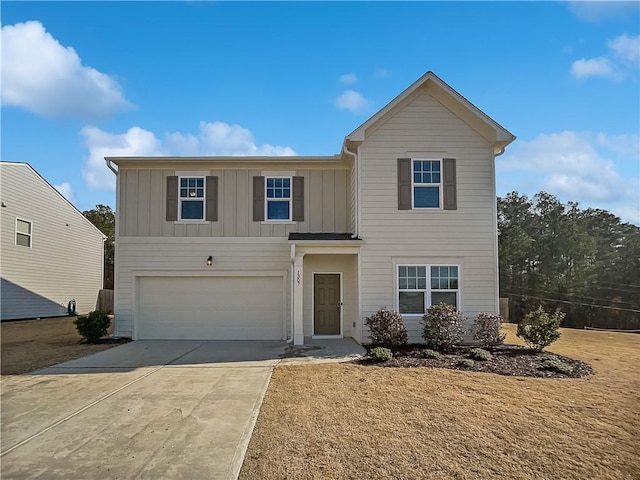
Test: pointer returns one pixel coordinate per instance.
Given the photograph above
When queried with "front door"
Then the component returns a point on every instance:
(326, 304)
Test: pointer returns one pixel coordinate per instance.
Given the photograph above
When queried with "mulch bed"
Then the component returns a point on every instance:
(508, 360)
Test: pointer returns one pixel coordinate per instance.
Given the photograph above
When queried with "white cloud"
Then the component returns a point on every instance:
(66, 191)
(624, 56)
(381, 73)
(626, 48)
(213, 138)
(594, 67)
(593, 11)
(348, 78)
(577, 166)
(353, 101)
(46, 78)
(135, 142)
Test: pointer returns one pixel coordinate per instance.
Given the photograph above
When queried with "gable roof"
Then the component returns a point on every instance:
(501, 137)
(44, 180)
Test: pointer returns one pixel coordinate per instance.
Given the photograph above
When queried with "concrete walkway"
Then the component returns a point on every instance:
(147, 409)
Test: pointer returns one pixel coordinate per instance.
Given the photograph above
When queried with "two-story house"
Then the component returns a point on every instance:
(292, 247)
(50, 254)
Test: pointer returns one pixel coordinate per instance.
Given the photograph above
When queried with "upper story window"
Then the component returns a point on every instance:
(23, 233)
(426, 183)
(420, 286)
(191, 198)
(278, 198)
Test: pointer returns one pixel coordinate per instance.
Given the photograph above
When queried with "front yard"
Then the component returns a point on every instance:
(358, 422)
(28, 345)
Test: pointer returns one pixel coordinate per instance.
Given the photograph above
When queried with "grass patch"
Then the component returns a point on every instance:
(360, 422)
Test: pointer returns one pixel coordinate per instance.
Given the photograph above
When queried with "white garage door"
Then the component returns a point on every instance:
(211, 308)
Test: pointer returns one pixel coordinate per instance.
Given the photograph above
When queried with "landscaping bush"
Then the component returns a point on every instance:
(428, 353)
(556, 365)
(380, 354)
(479, 354)
(466, 363)
(442, 326)
(93, 326)
(486, 330)
(539, 329)
(387, 329)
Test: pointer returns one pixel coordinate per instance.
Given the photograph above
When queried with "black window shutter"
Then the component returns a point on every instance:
(449, 184)
(258, 199)
(298, 199)
(404, 184)
(212, 199)
(172, 199)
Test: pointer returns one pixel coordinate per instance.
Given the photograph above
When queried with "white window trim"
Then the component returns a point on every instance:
(439, 185)
(204, 203)
(30, 234)
(267, 200)
(427, 296)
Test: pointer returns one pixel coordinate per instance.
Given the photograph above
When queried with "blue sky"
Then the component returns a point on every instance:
(81, 80)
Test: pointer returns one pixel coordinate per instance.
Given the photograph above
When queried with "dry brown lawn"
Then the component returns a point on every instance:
(366, 422)
(28, 345)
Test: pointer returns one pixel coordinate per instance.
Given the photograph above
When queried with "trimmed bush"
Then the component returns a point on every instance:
(442, 326)
(556, 365)
(486, 330)
(539, 329)
(387, 329)
(380, 354)
(466, 363)
(428, 353)
(93, 326)
(479, 354)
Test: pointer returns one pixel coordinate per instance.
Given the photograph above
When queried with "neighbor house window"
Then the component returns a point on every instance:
(420, 286)
(278, 198)
(23, 233)
(191, 198)
(426, 183)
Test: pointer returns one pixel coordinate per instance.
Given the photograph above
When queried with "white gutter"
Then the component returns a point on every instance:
(356, 234)
(110, 165)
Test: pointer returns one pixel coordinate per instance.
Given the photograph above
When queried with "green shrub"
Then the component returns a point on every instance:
(387, 329)
(487, 330)
(479, 354)
(380, 354)
(556, 365)
(442, 326)
(466, 363)
(93, 326)
(428, 353)
(539, 329)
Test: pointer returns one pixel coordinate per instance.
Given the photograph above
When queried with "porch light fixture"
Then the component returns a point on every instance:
(209, 261)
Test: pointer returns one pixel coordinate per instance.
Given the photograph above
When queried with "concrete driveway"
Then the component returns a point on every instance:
(147, 409)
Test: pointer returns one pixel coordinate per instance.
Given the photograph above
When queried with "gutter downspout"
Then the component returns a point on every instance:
(110, 165)
(356, 234)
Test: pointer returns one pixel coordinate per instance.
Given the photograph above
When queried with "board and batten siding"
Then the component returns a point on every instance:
(150, 256)
(424, 128)
(142, 203)
(65, 261)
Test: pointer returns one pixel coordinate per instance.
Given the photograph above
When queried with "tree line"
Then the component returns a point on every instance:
(583, 262)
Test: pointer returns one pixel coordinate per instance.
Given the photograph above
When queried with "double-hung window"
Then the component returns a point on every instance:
(278, 198)
(191, 198)
(426, 183)
(420, 286)
(23, 233)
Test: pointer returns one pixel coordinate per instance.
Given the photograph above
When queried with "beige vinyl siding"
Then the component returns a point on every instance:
(424, 128)
(143, 190)
(152, 256)
(348, 266)
(65, 260)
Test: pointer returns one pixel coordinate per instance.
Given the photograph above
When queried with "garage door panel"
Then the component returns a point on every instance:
(216, 308)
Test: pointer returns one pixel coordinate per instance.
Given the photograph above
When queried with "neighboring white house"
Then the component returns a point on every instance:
(293, 247)
(50, 254)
